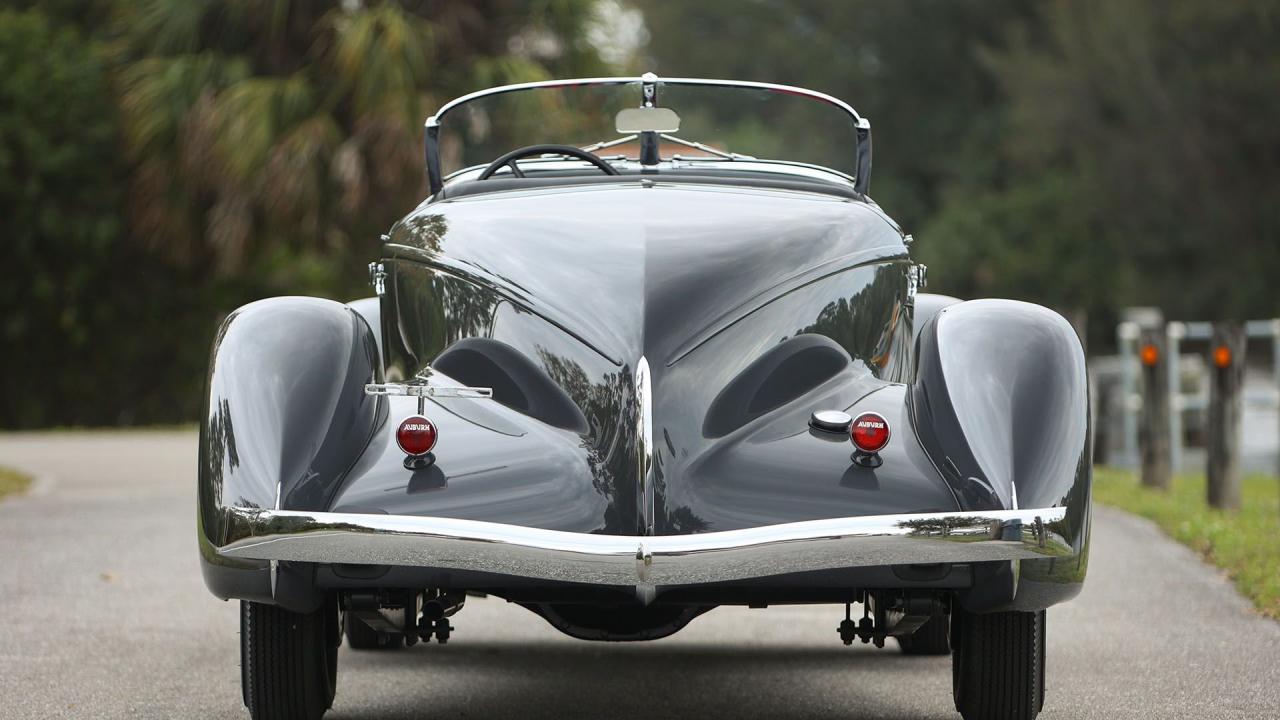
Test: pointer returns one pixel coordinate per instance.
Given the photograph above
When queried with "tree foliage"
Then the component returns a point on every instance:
(1084, 155)
(257, 128)
(1158, 120)
(911, 66)
(57, 208)
(164, 161)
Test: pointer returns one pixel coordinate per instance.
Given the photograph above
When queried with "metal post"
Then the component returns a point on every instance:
(1226, 360)
(1176, 332)
(1153, 351)
(1126, 334)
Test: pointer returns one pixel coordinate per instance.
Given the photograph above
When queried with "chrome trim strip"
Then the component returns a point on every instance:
(448, 543)
(644, 453)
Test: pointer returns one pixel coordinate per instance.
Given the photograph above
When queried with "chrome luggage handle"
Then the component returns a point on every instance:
(422, 388)
(416, 390)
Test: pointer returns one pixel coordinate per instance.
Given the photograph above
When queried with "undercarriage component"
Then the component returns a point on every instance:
(888, 613)
(848, 629)
(408, 614)
(616, 622)
(932, 638)
(442, 604)
(386, 611)
(441, 629)
(436, 609)
(362, 637)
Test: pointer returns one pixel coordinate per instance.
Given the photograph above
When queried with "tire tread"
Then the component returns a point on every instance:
(284, 666)
(1000, 661)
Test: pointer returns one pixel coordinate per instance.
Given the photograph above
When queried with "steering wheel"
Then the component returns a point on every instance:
(529, 150)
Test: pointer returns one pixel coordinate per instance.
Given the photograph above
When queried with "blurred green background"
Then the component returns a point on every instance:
(164, 161)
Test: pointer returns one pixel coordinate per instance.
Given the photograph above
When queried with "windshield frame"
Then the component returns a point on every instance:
(862, 126)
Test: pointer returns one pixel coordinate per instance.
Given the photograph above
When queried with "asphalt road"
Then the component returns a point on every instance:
(103, 614)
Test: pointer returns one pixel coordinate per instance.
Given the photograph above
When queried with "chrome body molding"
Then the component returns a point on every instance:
(622, 560)
(644, 452)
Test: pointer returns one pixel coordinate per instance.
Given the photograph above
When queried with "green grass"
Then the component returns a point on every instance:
(1245, 543)
(12, 481)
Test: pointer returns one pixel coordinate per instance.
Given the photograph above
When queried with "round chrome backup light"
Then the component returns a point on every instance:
(416, 435)
(832, 421)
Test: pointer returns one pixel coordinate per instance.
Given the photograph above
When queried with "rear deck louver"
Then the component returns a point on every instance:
(517, 382)
(777, 377)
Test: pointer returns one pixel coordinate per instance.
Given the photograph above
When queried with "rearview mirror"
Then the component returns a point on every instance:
(647, 119)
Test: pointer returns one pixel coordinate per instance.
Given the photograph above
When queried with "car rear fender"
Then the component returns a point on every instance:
(1000, 403)
(285, 420)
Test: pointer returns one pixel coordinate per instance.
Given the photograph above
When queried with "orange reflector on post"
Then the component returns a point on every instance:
(1149, 354)
(1222, 356)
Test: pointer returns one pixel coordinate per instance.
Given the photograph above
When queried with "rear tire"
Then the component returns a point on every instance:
(998, 665)
(362, 637)
(931, 638)
(288, 661)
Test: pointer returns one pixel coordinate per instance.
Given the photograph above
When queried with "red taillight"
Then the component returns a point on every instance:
(416, 435)
(869, 432)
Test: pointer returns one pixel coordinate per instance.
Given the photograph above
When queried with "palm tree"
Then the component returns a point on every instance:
(266, 137)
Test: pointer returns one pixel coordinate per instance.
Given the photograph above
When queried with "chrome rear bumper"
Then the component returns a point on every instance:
(444, 543)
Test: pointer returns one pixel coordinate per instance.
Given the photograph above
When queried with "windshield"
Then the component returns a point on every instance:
(717, 122)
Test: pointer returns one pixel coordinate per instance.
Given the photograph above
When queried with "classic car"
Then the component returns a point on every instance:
(646, 348)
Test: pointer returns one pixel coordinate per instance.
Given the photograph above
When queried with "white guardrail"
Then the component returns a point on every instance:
(1179, 402)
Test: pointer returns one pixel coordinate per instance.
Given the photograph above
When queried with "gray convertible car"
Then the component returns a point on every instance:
(647, 348)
